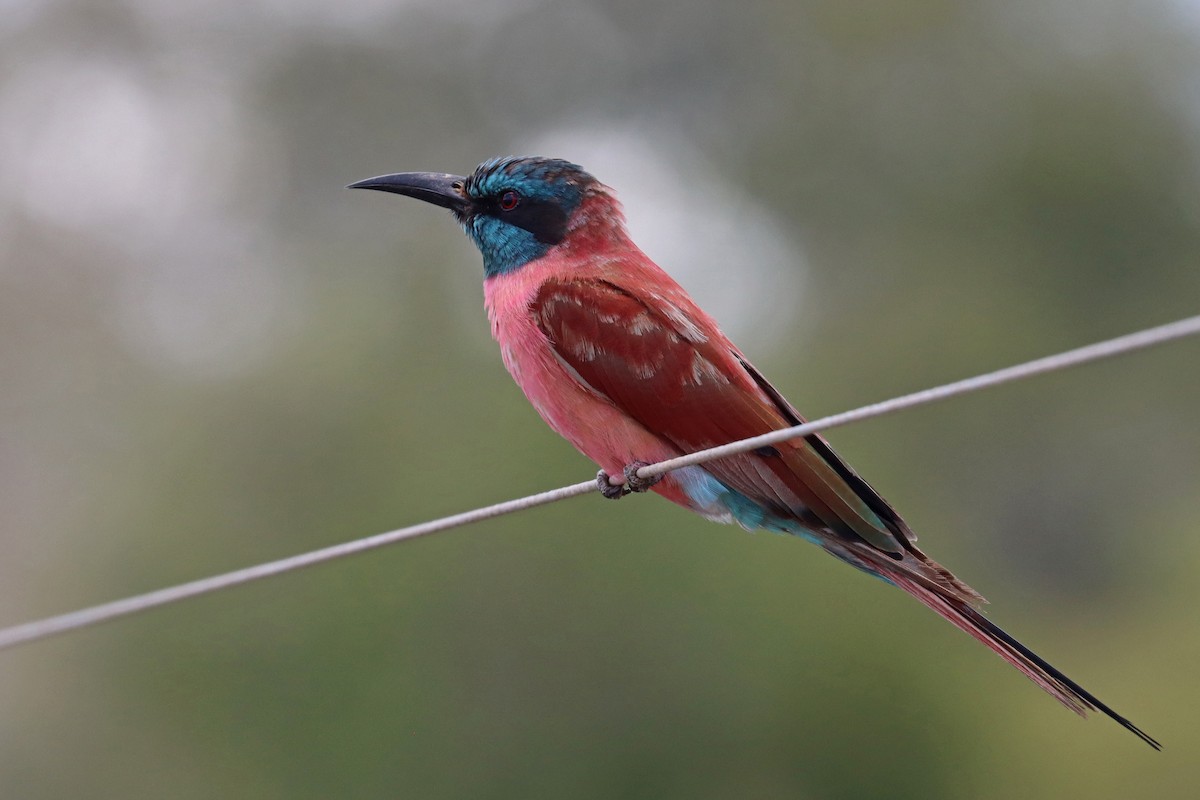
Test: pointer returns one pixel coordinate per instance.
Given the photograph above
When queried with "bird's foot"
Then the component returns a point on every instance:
(608, 490)
(633, 483)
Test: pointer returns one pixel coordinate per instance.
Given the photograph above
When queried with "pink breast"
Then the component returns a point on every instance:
(590, 422)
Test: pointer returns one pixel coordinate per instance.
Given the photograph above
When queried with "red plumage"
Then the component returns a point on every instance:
(617, 358)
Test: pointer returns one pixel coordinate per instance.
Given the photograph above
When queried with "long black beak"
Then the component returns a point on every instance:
(438, 188)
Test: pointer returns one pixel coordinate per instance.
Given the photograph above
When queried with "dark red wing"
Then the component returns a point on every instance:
(680, 378)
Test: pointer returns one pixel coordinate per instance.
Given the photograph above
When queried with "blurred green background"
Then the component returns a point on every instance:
(211, 355)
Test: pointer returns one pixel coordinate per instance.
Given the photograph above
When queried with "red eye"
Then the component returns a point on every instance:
(509, 200)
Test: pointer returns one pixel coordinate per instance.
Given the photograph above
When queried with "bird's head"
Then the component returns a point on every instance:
(515, 209)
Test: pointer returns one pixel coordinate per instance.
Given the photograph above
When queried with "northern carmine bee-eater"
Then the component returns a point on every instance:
(620, 361)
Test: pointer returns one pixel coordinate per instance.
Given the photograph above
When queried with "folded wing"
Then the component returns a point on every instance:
(677, 375)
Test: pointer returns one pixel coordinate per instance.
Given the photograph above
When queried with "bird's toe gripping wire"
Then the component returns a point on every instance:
(633, 482)
(609, 490)
(636, 483)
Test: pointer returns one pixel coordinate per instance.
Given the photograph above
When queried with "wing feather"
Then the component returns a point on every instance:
(681, 378)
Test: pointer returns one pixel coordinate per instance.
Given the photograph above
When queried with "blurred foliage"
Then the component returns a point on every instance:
(212, 356)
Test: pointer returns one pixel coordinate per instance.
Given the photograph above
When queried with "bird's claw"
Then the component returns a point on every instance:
(609, 490)
(633, 483)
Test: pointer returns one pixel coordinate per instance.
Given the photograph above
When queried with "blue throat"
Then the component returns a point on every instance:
(505, 248)
(549, 192)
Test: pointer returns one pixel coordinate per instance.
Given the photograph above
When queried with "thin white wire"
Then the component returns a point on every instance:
(93, 615)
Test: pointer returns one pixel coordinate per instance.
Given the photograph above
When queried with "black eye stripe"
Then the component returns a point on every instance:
(546, 220)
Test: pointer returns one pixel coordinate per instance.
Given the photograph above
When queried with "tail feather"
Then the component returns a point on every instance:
(969, 619)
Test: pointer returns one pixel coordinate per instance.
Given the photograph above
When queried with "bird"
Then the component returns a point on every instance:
(619, 360)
